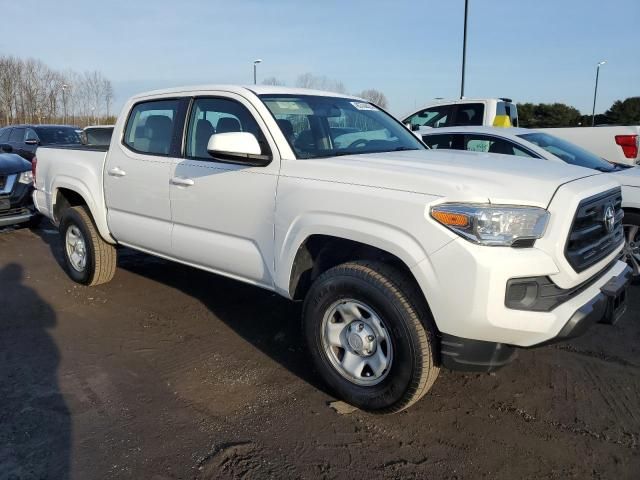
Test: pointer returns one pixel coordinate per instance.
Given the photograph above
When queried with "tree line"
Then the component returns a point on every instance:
(32, 92)
(321, 82)
(543, 115)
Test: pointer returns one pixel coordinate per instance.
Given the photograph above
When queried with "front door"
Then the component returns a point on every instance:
(223, 213)
(136, 177)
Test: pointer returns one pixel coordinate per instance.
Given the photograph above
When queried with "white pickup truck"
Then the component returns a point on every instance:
(406, 259)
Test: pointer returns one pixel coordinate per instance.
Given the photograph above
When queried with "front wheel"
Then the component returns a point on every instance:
(631, 224)
(370, 335)
(89, 259)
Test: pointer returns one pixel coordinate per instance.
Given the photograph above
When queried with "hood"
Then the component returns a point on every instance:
(12, 163)
(629, 177)
(455, 175)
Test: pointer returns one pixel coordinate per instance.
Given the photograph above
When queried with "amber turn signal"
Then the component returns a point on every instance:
(451, 219)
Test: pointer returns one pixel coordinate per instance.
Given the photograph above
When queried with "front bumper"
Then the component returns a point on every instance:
(465, 287)
(608, 306)
(17, 206)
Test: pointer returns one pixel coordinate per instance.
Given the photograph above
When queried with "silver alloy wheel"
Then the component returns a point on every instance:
(76, 248)
(357, 342)
(632, 247)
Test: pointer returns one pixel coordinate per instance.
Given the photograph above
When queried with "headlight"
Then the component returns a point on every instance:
(492, 224)
(26, 177)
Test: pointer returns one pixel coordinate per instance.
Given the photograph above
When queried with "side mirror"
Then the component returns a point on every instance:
(237, 147)
(415, 127)
(31, 141)
(6, 148)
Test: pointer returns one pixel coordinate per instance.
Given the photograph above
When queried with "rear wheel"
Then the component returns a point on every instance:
(89, 259)
(631, 224)
(370, 336)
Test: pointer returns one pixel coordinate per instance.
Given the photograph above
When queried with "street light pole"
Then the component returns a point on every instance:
(64, 102)
(595, 93)
(464, 47)
(255, 63)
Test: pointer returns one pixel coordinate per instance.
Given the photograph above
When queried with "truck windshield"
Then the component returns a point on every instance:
(57, 135)
(569, 152)
(317, 126)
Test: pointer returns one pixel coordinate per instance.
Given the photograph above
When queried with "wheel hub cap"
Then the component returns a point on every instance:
(76, 248)
(361, 339)
(356, 342)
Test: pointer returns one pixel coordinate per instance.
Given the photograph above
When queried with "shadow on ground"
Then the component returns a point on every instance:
(35, 424)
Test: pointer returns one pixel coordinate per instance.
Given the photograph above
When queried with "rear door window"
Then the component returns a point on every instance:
(442, 141)
(150, 126)
(4, 134)
(490, 144)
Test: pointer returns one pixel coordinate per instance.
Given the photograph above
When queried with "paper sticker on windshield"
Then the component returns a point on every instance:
(363, 106)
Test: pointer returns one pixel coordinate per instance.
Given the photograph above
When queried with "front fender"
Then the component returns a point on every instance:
(389, 238)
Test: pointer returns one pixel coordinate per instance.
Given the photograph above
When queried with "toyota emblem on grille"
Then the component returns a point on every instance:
(609, 218)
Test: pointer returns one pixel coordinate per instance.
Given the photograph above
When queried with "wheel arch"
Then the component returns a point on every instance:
(67, 194)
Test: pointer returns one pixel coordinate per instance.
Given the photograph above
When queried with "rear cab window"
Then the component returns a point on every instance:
(468, 114)
(151, 126)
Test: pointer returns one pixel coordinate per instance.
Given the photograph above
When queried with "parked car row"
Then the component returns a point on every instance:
(18, 145)
(406, 259)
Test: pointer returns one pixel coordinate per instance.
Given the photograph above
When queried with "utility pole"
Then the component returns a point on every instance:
(464, 47)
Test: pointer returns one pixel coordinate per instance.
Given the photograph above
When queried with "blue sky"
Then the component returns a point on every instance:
(538, 51)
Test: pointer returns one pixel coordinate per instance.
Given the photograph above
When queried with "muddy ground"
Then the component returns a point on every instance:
(168, 372)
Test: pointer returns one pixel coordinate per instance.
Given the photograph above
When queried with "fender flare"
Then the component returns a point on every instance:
(97, 210)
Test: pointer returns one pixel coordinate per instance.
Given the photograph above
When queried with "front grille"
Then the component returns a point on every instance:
(589, 239)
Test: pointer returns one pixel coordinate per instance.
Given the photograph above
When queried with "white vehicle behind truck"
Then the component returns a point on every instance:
(407, 260)
(617, 144)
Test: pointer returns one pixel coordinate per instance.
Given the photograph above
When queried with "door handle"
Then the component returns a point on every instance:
(117, 172)
(182, 182)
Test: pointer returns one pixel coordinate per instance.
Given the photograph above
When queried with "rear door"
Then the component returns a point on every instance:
(137, 173)
(223, 213)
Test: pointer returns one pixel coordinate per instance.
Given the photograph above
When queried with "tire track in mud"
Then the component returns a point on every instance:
(605, 357)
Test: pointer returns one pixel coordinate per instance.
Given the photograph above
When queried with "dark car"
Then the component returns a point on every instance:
(25, 139)
(16, 186)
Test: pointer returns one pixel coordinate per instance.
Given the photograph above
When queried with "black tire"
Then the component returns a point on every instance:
(633, 219)
(100, 256)
(397, 300)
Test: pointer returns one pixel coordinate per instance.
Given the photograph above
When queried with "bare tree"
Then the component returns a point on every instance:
(374, 96)
(320, 82)
(32, 92)
(273, 81)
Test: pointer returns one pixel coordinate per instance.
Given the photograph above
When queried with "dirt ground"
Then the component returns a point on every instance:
(168, 372)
